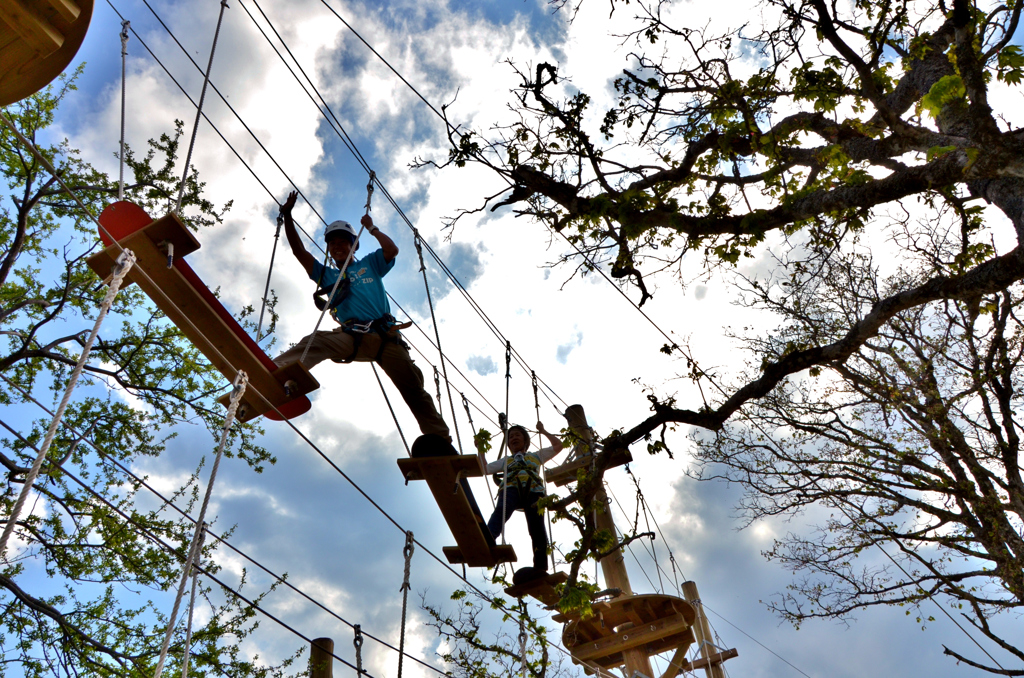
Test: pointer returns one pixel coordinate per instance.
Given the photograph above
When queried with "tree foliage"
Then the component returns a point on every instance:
(824, 134)
(106, 557)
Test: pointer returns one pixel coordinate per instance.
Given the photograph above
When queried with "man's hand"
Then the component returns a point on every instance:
(367, 223)
(540, 428)
(289, 203)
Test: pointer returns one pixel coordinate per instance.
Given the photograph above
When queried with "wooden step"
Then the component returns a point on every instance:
(542, 588)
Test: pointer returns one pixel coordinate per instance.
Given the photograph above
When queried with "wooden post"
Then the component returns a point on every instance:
(321, 660)
(613, 566)
(702, 630)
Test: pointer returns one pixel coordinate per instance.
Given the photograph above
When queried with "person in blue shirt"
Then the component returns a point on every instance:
(367, 332)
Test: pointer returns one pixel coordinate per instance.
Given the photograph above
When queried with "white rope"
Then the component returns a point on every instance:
(124, 56)
(410, 546)
(242, 381)
(192, 602)
(270, 271)
(199, 109)
(341, 274)
(124, 263)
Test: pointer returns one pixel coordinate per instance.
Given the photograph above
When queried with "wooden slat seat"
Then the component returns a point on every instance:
(652, 623)
(445, 477)
(189, 304)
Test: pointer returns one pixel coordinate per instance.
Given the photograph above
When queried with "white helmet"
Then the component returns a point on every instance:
(341, 228)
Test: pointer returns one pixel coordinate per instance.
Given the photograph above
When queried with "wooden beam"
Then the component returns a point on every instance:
(40, 35)
(67, 9)
(189, 304)
(542, 588)
(445, 478)
(675, 665)
(711, 660)
(566, 473)
(321, 661)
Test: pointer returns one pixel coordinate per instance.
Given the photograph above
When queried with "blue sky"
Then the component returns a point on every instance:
(300, 516)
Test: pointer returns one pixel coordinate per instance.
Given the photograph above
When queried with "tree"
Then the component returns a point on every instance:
(88, 533)
(817, 136)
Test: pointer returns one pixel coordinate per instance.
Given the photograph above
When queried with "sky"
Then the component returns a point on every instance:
(582, 338)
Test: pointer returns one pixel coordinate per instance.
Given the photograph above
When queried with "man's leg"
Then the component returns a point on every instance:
(398, 365)
(538, 533)
(326, 344)
(501, 515)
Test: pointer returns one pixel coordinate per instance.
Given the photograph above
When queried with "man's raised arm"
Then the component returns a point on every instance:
(298, 249)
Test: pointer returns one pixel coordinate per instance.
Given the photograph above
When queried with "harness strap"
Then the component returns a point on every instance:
(385, 327)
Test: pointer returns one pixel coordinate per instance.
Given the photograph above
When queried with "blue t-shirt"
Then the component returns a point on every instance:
(367, 299)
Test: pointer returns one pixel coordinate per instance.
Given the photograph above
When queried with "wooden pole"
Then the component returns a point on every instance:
(321, 660)
(702, 630)
(613, 566)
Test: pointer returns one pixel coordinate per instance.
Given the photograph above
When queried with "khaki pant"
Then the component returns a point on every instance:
(395, 361)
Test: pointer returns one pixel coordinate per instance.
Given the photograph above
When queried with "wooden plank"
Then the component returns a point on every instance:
(633, 615)
(467, 464)
(466, 525)
(174, 291)
(499, 554)
(41, 36)
(566, 473)
(710, 660)
(637, 637)
(31, 61)
(67, 9)
(675, 665)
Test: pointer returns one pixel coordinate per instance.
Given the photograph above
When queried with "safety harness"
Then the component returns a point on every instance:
(523, 473)
(386, 327)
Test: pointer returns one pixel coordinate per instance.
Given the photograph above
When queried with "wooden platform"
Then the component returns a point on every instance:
(38, 40)
(566, 473)
(652, 623)
(445, 477)
(542, 588)
(189, 304)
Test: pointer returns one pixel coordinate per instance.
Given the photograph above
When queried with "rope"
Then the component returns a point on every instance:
(124, 57)
(418, 241)
(393, 415)
(472, 429)
(407, 552)
(342, 272)
(522, 641)
(199, 109)
(543, 471)
(197, 537)
(121, 268)
(266, 288)
(357, 642)
(192, 602)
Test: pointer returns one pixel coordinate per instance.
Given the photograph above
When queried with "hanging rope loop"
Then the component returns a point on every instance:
(418, 241)
(369, 190)
(194, 566)
(407, 551)
(522, 643)
(357, 641)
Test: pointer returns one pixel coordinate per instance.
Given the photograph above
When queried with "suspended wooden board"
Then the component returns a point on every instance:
(541, 588)
(445, 477)
(679, 664)
(38, 39)
(566, 473)
(191, 306)
(653, 623)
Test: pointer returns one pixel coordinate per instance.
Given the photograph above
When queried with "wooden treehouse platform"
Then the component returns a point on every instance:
(188, 303)
(446, 477)
(651, 623)
(38, 39)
